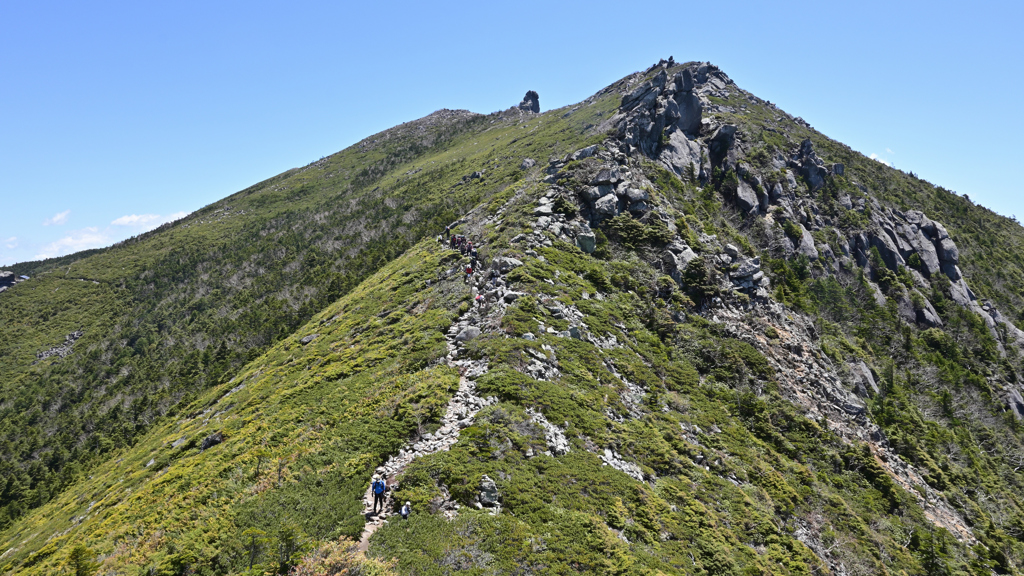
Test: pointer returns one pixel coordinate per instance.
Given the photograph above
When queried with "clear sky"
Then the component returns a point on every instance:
(116, 116)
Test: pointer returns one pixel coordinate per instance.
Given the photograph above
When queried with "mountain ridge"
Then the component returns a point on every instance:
(732, 390)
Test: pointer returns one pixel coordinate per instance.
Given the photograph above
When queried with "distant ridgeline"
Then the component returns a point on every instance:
(670, 329)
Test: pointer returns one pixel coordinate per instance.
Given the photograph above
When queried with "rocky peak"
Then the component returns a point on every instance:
(531, 102)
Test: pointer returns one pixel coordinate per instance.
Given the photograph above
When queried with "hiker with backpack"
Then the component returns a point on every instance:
(406, 510)
(380, 487)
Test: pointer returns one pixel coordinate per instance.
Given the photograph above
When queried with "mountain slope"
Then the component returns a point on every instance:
(708, 340)
(175, 311)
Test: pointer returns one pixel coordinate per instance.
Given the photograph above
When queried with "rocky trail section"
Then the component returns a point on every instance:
(462, 407)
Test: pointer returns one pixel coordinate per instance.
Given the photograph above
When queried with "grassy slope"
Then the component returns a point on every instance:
(181, 309)
(326, 413)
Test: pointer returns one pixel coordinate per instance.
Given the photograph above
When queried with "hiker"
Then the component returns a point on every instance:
(380, 487)
(406, 510)
(447, 230)
(494, 277)
(469, 273)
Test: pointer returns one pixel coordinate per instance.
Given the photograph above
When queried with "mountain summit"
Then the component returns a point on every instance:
(670, 329)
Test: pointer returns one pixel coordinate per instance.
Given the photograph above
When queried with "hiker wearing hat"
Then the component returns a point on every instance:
(379, 487)
(406, 510)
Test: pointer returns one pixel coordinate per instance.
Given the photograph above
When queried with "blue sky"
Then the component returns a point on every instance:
(115, 117)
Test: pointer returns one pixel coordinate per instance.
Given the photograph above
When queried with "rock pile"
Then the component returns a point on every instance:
(63, 349)
(661, 108)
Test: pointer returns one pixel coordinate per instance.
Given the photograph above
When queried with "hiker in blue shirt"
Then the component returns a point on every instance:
(380, 487)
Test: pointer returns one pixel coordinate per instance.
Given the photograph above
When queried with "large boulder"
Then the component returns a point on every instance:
(531, 102)
(947, 250)
(607, 205)
(746, 198)
(810, 166)
(806, 246)
(586, 242)
(720, 143)
(676, 259)
(608, 176)
(689, 107)
(863, 381)
(680, 154)
(489, 495)
(584, 153)
(918, 243)
(886, 249)
(747, 268)
(504, 264)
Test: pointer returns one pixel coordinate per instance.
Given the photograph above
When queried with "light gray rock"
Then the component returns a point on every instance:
(504, 264)
(543, 210)
(584, 153)
(863, 381)
(489, 495)
(806, 246)
(607, 205)
(586, 242)
(845, 202)
(790, 180)
(746, 198)
(1014, 401)
(527, 163)
(838, 169)
(747, 268)
(947, 251)
(680, 153)
(927, 316)
(886, 249)
(606, 176)
(636, 195)
(308, 339)
(592, 193)
(468, 333)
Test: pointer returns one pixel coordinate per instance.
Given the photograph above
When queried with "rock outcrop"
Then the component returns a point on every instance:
(531, 102)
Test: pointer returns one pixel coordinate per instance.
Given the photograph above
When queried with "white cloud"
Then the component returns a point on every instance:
(889, 151)
(58, 218)
(136, 219)
(877, 158)
(94, 237)
(146, 222)
(11, 242)
(76, 241)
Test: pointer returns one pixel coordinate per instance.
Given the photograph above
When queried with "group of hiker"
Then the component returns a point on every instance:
(465, 246)
(379, 487)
